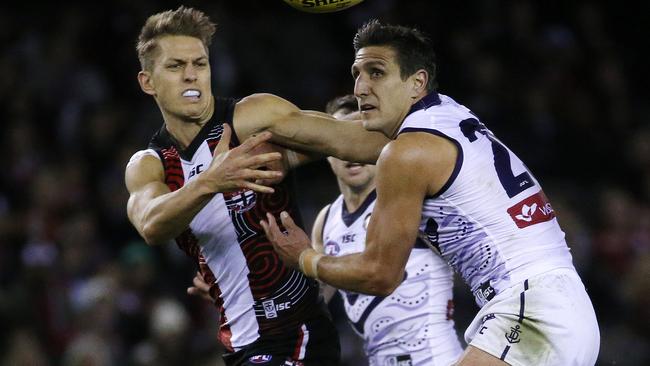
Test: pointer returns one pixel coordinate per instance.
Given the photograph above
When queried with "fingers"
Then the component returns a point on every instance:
(224, 143)
(287, 221)
(200, 284)
(256, 161)
(270, 227)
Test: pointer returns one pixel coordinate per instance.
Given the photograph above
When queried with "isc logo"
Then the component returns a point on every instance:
(271, 308)
(196, 170)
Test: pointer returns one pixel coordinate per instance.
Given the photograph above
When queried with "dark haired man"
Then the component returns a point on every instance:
(447, 179)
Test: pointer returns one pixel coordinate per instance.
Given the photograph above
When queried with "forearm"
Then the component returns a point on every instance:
(168, 215)
(356, 273)
(322, 134)
(306, 130)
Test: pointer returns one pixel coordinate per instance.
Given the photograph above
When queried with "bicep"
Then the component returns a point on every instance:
(393, 228)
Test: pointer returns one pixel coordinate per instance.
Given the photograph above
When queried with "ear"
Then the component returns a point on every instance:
(419, 79)
(146, 83)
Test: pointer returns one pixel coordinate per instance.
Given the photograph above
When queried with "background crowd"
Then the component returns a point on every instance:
(563, 84)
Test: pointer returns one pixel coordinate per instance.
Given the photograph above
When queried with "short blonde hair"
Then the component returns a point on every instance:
(183, 21)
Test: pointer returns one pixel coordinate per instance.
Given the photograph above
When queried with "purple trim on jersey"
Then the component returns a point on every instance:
(429, 100)
(349, 218)
(459, 158)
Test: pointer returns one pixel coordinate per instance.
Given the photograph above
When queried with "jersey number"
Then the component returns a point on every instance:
(513, 184)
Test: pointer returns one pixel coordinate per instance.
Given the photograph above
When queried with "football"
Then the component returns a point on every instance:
(321, 6)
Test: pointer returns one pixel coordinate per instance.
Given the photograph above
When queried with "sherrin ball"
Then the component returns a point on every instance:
(321, 6)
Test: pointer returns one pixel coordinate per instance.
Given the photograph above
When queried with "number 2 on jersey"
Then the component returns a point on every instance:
(513, 184)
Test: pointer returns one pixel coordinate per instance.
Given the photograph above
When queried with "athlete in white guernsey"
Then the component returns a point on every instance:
(414, 323)
(447, 179)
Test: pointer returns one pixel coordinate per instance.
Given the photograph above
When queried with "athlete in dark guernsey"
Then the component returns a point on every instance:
(208, 177)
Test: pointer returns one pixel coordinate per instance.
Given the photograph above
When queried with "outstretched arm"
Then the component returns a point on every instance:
(306, 130)
(413, 166)
(160, 215)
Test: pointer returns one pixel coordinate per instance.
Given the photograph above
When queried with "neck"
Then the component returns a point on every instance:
(184, 130)
(354, 196)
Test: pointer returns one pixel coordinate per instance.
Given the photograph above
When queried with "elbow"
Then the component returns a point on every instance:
(382, 283)
(152, 235)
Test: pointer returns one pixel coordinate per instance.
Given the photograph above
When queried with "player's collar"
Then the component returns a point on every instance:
(429, 100)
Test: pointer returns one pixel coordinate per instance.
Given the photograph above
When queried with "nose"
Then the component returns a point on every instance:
(361, 87)
(190, 74)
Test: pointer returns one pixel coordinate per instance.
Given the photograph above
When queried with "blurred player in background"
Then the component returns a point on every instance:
(447, 179)
(190, 187)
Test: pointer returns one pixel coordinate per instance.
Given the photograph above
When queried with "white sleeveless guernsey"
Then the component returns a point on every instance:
(419, 309)
(491, 221)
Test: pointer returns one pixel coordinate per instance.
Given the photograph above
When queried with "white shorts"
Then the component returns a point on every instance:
(546, 320)
(437, 351)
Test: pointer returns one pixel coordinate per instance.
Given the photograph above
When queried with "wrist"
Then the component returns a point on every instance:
(308, 262)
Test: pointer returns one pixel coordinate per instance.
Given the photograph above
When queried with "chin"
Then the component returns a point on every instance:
(370, 125)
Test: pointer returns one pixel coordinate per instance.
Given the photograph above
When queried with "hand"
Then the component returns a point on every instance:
(200, 288)
(232, 170)
(289, 245)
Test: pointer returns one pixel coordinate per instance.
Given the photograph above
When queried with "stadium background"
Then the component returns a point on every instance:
(564, 84)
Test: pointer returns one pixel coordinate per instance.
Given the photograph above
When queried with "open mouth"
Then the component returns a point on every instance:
(354, 167)
(192, 94)
(367, 107)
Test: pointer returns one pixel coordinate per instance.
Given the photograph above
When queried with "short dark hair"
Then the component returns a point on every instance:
(183, 21)
(347, 103)
(414, 49)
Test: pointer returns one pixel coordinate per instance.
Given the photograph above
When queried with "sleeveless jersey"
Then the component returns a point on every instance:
(258, 297)
(491, 221)
(419, 308)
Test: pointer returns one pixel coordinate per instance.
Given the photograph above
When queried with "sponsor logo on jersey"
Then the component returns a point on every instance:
(271, 308)
(484, 293)
(532, 210)
(240, 201)
(258, 359)
(348, 238)
(195, 171)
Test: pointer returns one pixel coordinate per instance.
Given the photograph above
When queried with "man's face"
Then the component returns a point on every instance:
(384, 98)
(180, 77)
(355, 175)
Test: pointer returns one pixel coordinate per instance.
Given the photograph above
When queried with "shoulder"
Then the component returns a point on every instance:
(416, 149)
(318, 227)
(417, 159)
(143, 167)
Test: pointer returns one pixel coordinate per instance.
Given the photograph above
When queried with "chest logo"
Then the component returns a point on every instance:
(332, 248)
(240, 201)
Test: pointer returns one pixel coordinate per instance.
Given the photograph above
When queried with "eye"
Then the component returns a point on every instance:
(375, 73)
(174, 66)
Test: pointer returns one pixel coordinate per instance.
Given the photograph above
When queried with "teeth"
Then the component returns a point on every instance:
(191, 93)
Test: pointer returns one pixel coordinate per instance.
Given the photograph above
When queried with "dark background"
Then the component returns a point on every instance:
(563, 84)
